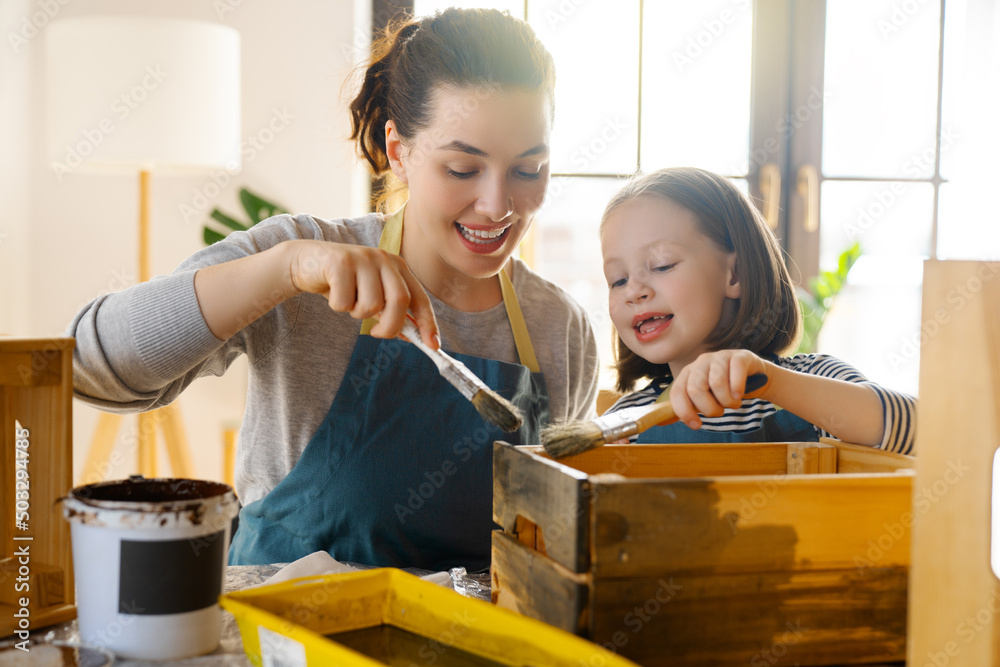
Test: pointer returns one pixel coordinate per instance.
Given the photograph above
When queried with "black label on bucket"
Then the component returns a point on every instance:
(170, 577)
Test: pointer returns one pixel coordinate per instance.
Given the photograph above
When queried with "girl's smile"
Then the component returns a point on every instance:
(650, 325)
(669, 286)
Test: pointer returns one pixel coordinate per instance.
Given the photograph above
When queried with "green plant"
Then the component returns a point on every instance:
(257, 209)
(816, 302)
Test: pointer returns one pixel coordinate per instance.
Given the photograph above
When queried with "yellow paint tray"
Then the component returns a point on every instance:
(288, 624)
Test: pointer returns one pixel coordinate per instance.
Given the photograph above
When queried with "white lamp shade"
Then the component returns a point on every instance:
(136, 92)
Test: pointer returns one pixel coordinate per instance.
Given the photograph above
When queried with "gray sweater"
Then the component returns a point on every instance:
(139, 348)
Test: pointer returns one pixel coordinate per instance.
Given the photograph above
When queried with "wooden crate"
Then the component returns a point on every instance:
(954, 593)
(710, 554)
(36, 392)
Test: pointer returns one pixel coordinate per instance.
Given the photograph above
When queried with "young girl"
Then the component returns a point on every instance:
(701, 299)
(353, 443)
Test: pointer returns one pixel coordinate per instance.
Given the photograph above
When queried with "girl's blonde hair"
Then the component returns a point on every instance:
(767, 317)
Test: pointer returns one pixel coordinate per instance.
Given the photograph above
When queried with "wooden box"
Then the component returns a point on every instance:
(710, 554)
(36, 466)
(954, 592)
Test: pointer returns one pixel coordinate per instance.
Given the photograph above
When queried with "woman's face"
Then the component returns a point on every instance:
(476, 177)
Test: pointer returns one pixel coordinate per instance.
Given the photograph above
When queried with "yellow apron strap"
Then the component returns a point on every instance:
(525, 350)
(391, 241)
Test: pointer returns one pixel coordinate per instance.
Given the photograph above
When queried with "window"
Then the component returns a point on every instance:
(856, 119)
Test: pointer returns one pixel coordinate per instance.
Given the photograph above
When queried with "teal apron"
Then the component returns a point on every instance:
(400, 472)
(782, 426)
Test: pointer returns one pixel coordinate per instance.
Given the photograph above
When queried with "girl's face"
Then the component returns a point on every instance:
(669, 285)
(476, 177)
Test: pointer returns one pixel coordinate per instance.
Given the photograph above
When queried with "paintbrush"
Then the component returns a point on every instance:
(493, 407)
(575, 437)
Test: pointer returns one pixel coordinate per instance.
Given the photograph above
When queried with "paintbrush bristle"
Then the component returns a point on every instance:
(496, 409)
(571, 438)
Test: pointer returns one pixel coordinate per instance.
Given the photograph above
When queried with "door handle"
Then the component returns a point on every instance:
(770, 189)
(808, 186)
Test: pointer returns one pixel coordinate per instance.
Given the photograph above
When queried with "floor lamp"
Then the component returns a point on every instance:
(141, 94)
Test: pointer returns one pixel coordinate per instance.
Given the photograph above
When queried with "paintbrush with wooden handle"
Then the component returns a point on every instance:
(576, 437)
(493, 407)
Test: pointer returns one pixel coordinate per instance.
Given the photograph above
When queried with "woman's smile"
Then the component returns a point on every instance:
(482, 239)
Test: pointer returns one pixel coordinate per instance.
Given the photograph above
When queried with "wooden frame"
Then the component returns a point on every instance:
(710, 553)
(36, 391)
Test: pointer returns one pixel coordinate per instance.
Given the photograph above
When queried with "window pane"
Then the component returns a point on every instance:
(569, 250)
(696, 85)
(968, 227)
(968, 224)
(424, 7)
(595, 46)
(875, 317)
(880, 88)
(876, 327)
(890, 218)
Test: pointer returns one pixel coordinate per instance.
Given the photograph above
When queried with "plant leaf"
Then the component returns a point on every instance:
(210, 236)
(232, 223)
(257, 207)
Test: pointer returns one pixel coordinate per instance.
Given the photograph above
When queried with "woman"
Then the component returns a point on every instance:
(352, 443)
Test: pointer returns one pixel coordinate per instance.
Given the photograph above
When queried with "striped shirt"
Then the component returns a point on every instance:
(898, 410)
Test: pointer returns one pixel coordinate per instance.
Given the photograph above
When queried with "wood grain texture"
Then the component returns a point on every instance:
(954, 595)
(730, 524)
(536, 586)
(547, 494)
(859, 458)
(820, 617)
(40, 399)
(810, 458)
(682, 460)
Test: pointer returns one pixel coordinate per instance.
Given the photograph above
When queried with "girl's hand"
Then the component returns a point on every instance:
(365, 282)
(712, 382)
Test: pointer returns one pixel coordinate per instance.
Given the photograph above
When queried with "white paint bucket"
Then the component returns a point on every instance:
(149, 559)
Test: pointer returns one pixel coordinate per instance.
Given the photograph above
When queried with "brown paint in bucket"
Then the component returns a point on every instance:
(149, 557)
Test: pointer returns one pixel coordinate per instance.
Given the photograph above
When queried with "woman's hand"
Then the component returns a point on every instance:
(365, 282)
(362, 281)
(713, 382)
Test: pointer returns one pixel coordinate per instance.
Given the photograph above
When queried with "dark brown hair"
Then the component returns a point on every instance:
(767, 319)
(464, 48)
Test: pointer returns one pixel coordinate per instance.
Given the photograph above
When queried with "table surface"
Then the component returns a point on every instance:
(230, 652)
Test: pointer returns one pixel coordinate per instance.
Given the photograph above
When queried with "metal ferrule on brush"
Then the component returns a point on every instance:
(460, 376)
(617, 425)
(451, 369)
